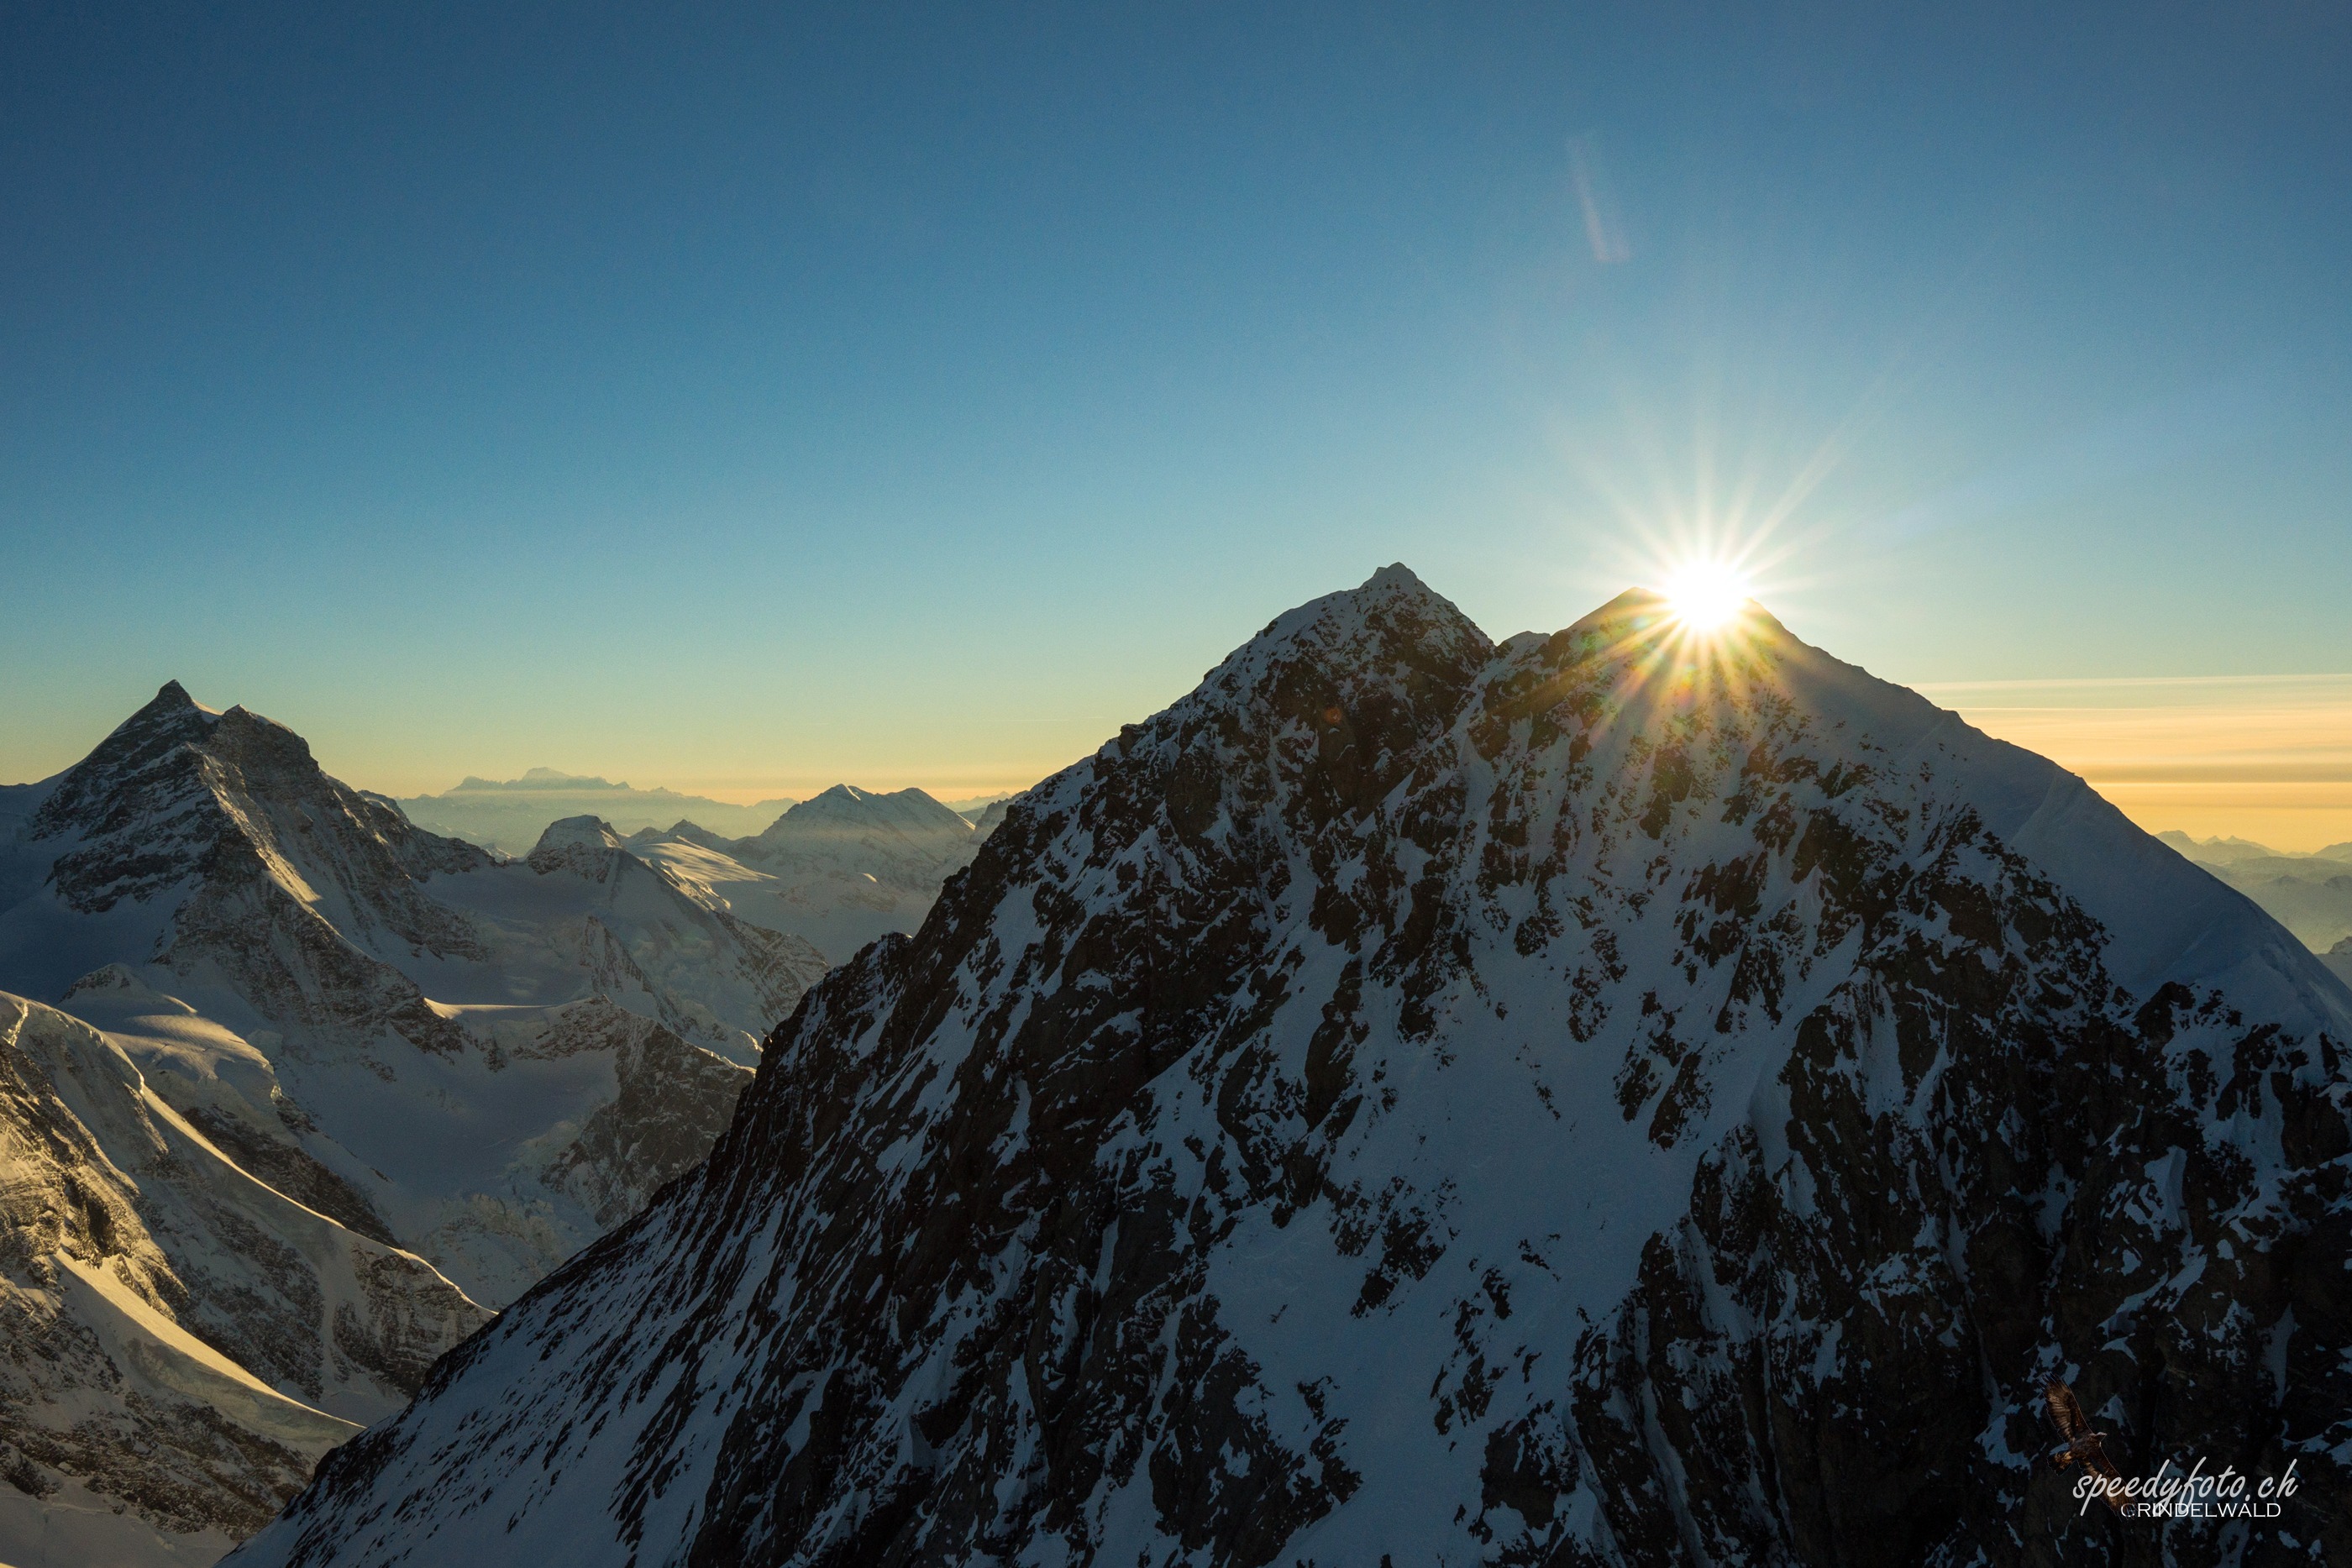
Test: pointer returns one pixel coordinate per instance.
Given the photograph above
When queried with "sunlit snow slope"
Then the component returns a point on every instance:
(182, 1341)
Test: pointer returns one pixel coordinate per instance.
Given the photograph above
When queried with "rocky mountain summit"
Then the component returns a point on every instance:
(348, 1084)
(1611, 1097)
(407, 1011)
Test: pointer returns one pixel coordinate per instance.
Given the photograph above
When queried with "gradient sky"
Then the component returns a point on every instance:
(741, 400)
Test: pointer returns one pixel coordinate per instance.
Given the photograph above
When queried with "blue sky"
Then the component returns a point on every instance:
(740, 400)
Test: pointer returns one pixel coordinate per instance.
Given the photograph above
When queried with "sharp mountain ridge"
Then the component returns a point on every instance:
(1611, 1097)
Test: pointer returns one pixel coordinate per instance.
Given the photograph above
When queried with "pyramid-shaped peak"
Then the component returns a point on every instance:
(1395, 586)
(1395, 577)
(170, 706)
(1390, 604)
(849, 797)
(845, 806)
(1392, 645)
(168, 720)
(904, 838)
(578, 832)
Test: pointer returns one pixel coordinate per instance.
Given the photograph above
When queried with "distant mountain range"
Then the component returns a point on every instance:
(509, 815)
(839, 871)
(2310, 895)
(2236, 850)
(1598, 1098)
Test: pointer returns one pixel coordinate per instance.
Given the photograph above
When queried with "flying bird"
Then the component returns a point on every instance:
(2081, 1443)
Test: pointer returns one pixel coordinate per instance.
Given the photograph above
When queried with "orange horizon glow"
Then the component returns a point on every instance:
(2265, 757)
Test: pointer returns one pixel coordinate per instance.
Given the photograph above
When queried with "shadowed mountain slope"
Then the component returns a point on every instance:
(1608, 1097)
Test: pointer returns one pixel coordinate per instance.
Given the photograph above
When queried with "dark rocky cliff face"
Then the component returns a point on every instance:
(1601, 1099)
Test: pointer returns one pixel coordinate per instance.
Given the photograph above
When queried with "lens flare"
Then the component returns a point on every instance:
(1705, 595)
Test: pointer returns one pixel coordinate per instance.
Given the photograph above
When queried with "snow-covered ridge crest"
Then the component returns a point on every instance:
(1600, 1099)
(587, 845)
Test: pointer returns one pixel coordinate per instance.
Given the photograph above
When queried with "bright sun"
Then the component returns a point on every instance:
(1705, 595)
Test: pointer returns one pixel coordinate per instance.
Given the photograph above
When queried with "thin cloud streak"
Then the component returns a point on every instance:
(2267, 757)
(1603, 229)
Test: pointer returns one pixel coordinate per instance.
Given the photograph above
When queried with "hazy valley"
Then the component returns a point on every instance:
(2310, 895)
(508, 815)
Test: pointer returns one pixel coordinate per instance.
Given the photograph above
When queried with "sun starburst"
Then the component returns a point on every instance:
(1705, 595)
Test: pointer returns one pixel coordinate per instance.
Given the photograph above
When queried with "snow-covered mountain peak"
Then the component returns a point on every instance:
(170, 712)
(839, 869)
(1392, 630)
(585, 844)
(300, 1042)
(1641, 626)
(335, 952)
(1651, 693)
(848, 803)
(138, 747)
(904, 839)
(1595, 1101)
(1352, 685)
